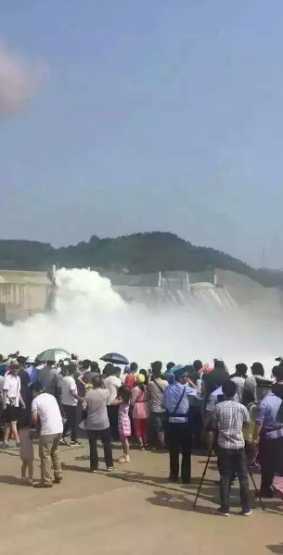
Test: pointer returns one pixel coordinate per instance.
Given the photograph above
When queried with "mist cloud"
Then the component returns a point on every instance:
(90, 318)
(19, 81)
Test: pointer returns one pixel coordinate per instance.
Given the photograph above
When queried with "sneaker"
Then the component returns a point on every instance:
(57, 480)
(247, 513)
(223, 512)
(109, 468)
(43, 485)
(75, 444)
(5, 445)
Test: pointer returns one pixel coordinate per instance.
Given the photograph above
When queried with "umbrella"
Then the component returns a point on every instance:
(115, 358)
(53, 355)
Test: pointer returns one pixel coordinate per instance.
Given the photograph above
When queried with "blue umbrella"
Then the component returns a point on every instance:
(115, 358)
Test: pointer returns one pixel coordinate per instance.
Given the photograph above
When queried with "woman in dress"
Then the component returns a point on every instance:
(141, 410)
(124, 422)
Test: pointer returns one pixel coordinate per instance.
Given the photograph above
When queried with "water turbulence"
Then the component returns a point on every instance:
(90, 317)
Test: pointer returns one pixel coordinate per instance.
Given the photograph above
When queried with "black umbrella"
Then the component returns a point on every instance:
(115, 358)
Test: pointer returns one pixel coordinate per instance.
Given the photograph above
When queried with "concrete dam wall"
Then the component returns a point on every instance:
(213, 289)
(23, 294)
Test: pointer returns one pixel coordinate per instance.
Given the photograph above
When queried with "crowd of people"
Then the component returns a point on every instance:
(176, 409)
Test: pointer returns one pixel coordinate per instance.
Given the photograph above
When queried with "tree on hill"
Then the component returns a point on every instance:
(138, 253)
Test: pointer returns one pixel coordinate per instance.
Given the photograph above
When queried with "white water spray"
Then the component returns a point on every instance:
(90, 318)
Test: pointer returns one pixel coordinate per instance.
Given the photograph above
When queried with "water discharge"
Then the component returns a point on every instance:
(90, 318)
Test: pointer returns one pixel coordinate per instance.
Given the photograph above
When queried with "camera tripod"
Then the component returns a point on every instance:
(257, 493)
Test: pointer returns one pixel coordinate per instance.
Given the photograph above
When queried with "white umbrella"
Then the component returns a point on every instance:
(53, 355)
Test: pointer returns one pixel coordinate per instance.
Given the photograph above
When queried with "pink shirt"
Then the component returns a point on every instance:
(140, 403)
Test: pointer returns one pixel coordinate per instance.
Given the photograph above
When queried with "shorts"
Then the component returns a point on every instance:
(158, 421)
(11, 414)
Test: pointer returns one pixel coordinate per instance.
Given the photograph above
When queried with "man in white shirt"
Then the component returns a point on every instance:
(46, 414)
(239, 379)
(70, 398)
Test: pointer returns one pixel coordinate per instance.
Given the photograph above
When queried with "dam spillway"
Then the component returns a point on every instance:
(25, 293)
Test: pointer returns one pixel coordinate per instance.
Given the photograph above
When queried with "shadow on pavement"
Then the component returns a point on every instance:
(276, 548)
(75, 467)
(151, 481)
(12, 480)
(178, 501)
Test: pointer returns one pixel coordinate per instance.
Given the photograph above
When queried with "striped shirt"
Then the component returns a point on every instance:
(229, 418)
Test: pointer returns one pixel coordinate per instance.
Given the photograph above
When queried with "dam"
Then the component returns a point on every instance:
(217, 289)
(25, 293)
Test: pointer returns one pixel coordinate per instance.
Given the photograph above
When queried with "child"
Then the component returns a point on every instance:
(124, 423)
(26, 448)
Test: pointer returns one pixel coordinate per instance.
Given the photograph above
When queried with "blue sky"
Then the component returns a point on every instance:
(152, 115)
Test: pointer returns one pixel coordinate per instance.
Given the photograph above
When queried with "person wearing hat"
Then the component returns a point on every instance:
(139, 401)
(176, 402)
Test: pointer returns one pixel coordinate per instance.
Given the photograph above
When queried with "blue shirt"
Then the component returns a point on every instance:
(171, 397)
(267, 416)
(32, 371)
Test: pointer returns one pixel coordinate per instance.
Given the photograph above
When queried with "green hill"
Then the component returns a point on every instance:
(137, 253)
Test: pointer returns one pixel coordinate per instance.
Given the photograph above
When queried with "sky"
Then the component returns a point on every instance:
(126, 116)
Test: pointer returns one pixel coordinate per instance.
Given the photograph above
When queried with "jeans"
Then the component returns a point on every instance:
(179, 442)
(271, 460)
(113, 419)
(71, 415)
(231, 462)
(49, 457)
(105, 436)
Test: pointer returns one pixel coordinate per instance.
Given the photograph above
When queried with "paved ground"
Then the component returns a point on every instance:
(132, 511)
